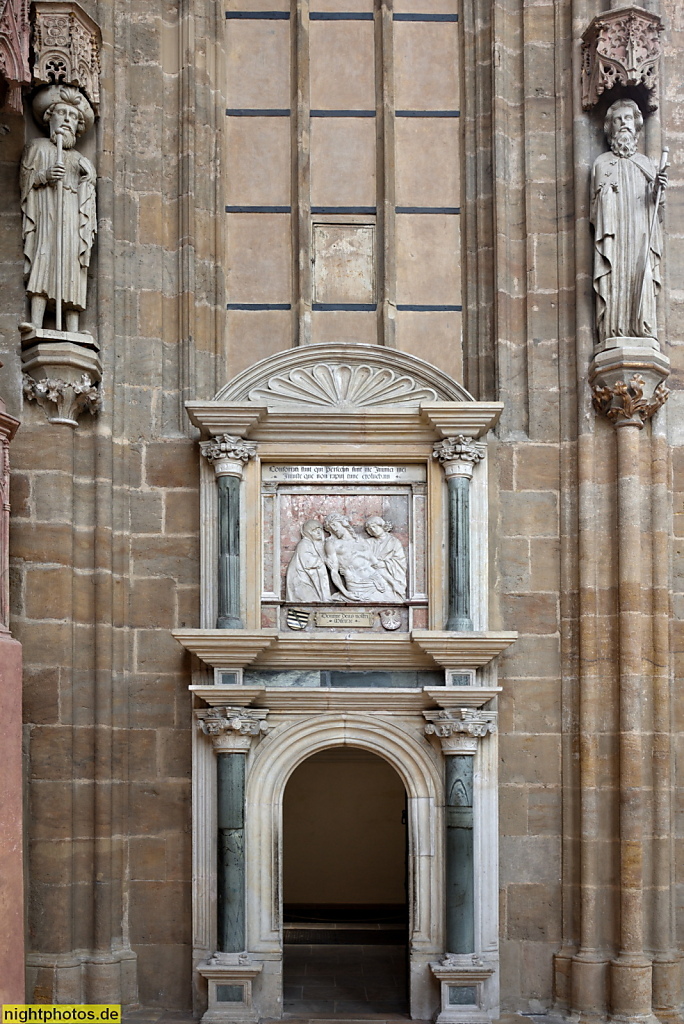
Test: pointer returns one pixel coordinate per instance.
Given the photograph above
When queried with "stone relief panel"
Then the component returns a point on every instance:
(348, 553)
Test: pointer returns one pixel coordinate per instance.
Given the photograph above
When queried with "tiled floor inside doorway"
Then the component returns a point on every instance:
(344, 979)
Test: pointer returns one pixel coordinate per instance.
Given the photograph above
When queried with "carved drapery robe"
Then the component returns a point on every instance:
(622, 208)
(39, 209)
(391, 557)
(307, 576)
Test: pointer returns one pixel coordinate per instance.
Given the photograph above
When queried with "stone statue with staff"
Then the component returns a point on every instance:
(626, 206)
(58, 208)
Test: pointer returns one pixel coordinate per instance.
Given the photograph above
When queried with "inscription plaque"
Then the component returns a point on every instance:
(344, 474)
(344, 619)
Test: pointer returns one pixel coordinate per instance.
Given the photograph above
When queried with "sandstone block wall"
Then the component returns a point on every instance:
(105, 520)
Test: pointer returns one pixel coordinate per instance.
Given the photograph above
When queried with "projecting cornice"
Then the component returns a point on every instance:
(268, 649)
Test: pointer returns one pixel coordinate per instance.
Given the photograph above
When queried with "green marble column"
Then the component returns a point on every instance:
(229, 553)
(458, 455)
(459, 618)
(230, 787)
(228, 455)
(460, 875)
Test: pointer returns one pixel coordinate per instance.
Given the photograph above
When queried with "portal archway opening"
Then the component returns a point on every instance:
(345, 886)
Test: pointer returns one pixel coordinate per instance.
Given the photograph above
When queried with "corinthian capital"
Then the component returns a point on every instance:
(228, 454)
(232, 730)
(217, 721)
(459, 449)
(455, 721)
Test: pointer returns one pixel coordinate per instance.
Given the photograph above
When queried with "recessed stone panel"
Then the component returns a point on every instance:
(428, 260)
(258, 64)
(426, 65)
(343, 155)
(344, 263)
(258, 171)
(427, 161)
(259, 258)
(342, 65)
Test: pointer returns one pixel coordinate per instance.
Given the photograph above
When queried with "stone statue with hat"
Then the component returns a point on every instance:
(58, 209)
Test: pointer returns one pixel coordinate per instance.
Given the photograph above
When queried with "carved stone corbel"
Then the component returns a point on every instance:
(63, 401)
(621, 47)
(624, 403)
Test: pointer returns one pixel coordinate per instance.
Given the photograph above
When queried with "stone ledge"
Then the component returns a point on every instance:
(236, 648)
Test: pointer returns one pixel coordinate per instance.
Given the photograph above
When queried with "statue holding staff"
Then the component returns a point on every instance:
(58, 208)
(627, 195)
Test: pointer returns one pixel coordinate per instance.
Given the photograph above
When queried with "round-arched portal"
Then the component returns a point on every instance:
(344, 885)
(416, 764)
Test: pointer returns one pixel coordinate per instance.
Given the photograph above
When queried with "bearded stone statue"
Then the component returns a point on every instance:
(46, 182)
(627, 233)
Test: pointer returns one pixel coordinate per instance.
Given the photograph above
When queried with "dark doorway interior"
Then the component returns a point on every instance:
(345, 886)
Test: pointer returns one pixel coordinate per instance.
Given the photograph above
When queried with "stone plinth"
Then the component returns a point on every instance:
(229, 979)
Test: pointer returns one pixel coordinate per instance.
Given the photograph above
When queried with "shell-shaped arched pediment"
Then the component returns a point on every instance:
(342, 377)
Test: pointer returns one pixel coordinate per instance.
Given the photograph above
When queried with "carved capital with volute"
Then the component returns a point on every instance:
(228, 454)
(459, 729)
(459, 455)
(232, 730)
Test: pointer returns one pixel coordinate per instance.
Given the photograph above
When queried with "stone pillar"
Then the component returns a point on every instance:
(458, 456)
(228, 455)
(11, 824)
(459, 895)
(625, 403)
(461, 972)
(229, 972)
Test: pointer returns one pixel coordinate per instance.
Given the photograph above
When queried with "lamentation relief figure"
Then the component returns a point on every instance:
(389, 553)
(58, 207)
(626, 196)
(354, 569)
(307, 575)
(348, 566)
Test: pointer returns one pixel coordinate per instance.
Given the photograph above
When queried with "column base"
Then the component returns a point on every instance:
(459, 625)
(82, 977)
(631, 986)
(229, 982)
(589, 985)
(667, 987)
(229, 622)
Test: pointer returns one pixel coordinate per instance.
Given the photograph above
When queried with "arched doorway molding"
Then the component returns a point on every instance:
(416, 763)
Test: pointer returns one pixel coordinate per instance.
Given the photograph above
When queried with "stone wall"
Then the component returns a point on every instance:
(105, 523)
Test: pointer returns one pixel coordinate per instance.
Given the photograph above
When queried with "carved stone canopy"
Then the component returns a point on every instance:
(621, 47)
(66, 46)
(14, 53)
